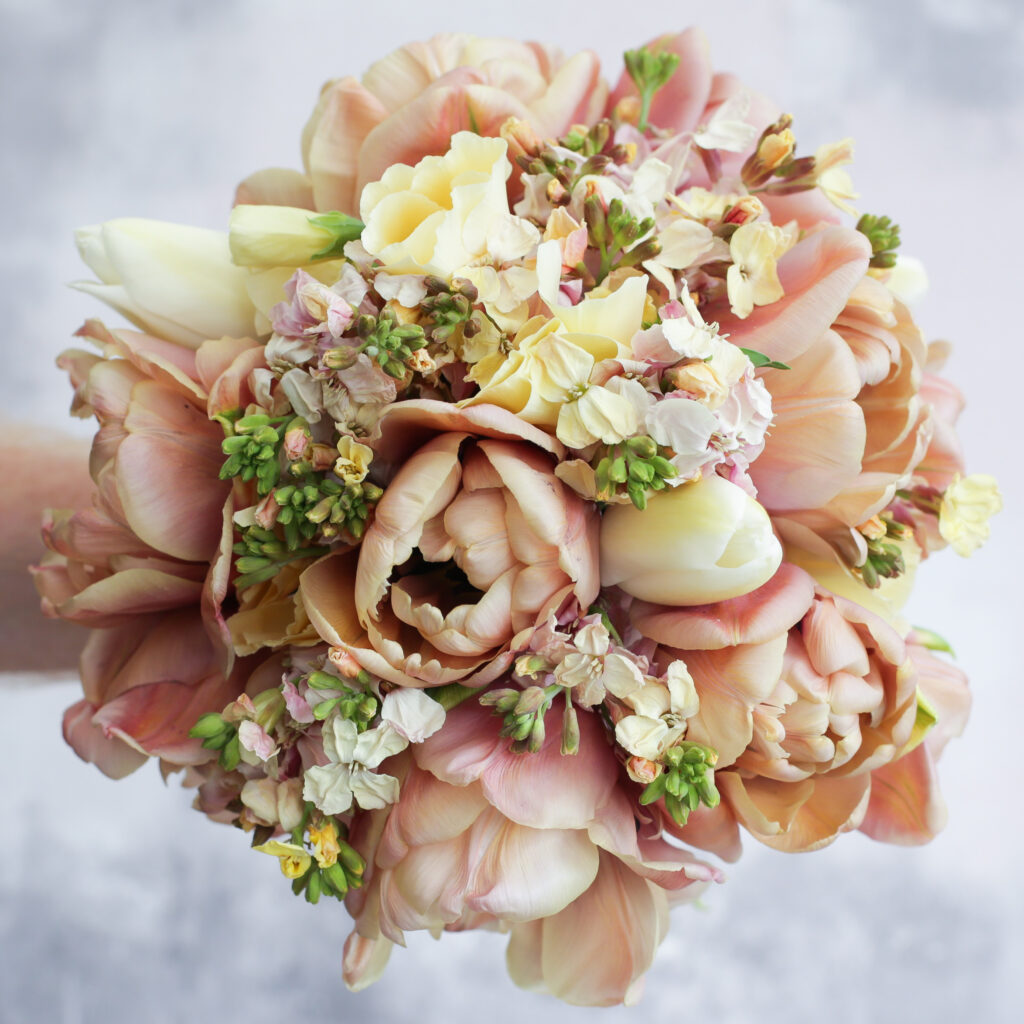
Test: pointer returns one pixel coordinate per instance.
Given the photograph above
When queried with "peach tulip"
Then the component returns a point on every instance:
(473, 545)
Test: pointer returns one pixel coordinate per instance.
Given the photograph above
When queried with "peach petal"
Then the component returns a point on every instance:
(429, 812)
(817, 275)
(576, 787)
(817, 441)
(276, 186)
(90, 535)
(215, 590)
(906, 806)
(161, 360)
(407, 426)
(345, 116)
(109, 388)
(944, 686)
(171, 495)
(475, 521)
(595, 951)
(118, 599)
(463, 748)
(575, 95)
(797, 817)
(363, 961)
(426, 124)
(730, 684)
(755, 618)
(155, 649)
(521, 873)
(111, 755)
(831, 641)
(156, 718)
(424, 486)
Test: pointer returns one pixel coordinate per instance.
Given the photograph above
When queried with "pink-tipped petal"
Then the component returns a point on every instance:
(756, 617)
(906, 806)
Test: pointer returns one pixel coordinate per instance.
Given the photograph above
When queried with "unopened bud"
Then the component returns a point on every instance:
(346, 665)
(641, 770)
(570, 731)
(530, 700)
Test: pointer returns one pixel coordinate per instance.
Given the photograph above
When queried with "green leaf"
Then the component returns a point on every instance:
(761, 361)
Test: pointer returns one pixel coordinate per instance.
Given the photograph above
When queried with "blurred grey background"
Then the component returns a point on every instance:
(119, 903)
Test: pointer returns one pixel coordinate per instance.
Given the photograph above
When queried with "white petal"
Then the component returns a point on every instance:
(412, 714)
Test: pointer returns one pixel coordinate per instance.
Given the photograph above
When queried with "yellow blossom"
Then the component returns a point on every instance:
(353, 461)
(966, 507)
(447, 212)
(538, 375)
(325, 843)
(295, 861)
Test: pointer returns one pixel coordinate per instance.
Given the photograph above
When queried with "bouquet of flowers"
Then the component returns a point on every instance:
(518, 500)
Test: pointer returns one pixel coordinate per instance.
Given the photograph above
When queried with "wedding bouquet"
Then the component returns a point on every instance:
(519, 499)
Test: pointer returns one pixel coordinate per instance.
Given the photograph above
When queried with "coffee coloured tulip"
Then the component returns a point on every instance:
(704, 541)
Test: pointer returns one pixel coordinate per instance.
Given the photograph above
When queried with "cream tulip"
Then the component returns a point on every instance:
(168, 279)
(286, 236)
(701, 542)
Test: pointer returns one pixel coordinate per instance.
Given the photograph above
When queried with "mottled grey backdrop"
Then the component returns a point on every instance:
(118, 903)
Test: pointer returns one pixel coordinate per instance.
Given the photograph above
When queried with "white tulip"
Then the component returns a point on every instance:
(171, 280)
(701, 542)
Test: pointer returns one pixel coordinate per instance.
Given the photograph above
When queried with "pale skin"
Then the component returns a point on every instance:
(41, 469)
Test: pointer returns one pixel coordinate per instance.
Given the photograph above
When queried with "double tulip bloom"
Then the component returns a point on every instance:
(484, 467)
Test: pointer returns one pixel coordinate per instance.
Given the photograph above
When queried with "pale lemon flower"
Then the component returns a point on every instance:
(275, 236)
(753, 280)
(353, 462)
(446, 213)
(543, 369)
(967, 505)
(596, 415)
(907, 280)
(324, 841)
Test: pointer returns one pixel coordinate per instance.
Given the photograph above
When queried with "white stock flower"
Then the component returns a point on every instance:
(350, 776)
(598, 414)
(662, 710)
(412, 714)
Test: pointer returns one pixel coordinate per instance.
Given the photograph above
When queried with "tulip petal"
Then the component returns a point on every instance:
(730, 684)
(754, 618)
(817, 275)
(171, 495)
(906, 806)
(90, 742)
